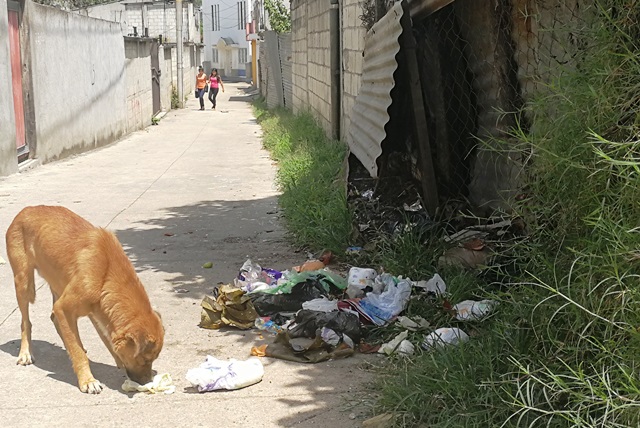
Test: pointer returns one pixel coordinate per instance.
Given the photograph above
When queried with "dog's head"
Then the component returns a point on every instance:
(139, 347)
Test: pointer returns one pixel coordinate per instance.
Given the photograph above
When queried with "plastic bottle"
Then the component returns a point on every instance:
(266, 324)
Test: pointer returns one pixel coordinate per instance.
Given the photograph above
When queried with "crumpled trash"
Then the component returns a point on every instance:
(358, 280)
(252, 272)
(300, 288)
(415, 324)
(382, 308)
(231, 307)
(399, 345)
(383, 282)
(2, 261)
(444, 336)
(471, 310)
(307, 323)
(160, 383)
(321, 305)
(435, 285)
(303, 349)
(216, 374)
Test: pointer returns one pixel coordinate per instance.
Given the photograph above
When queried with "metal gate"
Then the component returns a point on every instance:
(155, 77)
(16, 79)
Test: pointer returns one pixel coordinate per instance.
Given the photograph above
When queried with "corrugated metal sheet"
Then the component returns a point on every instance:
(284, 42)
(370, 113)
(421, 8)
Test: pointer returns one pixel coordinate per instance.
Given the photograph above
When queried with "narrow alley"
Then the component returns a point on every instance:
(196, 188)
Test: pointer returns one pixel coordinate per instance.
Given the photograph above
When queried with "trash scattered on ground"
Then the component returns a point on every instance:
(231, 307)
(302, 349)
(399, 345)
(2, 261)
(322, 305)
(306, 324)
(435, 285)
(444, 336)
(384, 307)
(216, 374)
(464, 258)
(354, 250)
(207, 265)
(265, 324)
(359, 280)
(161, 383)
(471, 310)
(180, 290)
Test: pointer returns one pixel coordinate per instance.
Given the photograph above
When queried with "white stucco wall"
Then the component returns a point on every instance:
(228, 28)
(138, 83)
(8, 154)
(78, 69)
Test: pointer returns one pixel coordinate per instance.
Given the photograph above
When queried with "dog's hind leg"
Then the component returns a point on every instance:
(67, 321)
(23, 277)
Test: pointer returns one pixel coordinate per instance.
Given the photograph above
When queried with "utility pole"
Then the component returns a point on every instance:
(179, 53)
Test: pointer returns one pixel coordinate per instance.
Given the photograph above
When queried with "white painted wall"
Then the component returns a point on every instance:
(138, 83)
(228, 11)
(8, 154)
(79, 79)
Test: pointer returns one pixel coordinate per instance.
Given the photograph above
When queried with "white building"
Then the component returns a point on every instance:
(225, 36)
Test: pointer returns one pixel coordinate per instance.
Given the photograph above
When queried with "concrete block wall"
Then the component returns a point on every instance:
(299, 33)
(8, 153)
(138, 83)
(353, 34)
(166, 78)
(86, 107)
(318, 59)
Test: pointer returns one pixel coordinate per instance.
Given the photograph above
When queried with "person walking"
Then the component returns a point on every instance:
(201, 86)
(215, 83)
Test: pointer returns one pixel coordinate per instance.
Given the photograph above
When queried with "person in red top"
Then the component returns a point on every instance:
(215, 83)
(201, 86)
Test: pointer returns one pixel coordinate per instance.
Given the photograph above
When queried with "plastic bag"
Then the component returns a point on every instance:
(435, 285)
(358, 280)
(382, 308)
(307, 323)
(160, 383)
(216, 374)
(444, 336)
(321, 305)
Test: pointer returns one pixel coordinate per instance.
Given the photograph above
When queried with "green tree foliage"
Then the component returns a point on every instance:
(279, 16)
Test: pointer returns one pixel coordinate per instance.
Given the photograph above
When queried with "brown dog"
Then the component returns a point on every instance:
(89, 275)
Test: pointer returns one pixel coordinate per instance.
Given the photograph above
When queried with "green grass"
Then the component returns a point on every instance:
(311, 178)
(562, 349)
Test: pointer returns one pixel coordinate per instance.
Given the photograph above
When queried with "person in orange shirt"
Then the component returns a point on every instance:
(201, 86)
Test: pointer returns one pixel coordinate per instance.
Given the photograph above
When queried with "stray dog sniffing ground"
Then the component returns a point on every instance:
(89, 275)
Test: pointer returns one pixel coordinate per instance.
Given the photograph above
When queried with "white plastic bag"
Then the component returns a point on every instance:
(435, 285)
(216, 374)
(382, 308)
(444, 336)
(160, 383)
(470, 310)
(321, 305)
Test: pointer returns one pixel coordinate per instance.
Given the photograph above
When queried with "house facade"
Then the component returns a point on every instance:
(226, 25)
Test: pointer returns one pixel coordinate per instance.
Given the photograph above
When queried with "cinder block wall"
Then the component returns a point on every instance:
(352, 41)
(311, 60)
(138, 81)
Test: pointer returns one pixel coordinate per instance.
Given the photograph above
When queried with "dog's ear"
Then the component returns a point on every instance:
(123, 341)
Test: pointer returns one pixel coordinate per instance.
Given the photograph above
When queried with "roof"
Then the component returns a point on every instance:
(227, 41)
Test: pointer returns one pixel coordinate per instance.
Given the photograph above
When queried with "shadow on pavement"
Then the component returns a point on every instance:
(55, 360)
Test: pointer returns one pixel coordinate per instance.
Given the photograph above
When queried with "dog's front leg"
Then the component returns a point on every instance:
(67, 323)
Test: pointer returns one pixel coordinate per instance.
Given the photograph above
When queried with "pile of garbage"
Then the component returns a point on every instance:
(317, 314)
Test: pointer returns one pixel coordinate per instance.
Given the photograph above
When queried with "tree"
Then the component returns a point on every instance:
(279, 16)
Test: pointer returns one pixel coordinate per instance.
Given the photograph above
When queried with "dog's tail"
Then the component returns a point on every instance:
(21, 263)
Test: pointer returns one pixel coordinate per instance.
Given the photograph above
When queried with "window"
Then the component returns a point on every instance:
(242, 15)
(214, 55)
(215, 17)
(242, 56)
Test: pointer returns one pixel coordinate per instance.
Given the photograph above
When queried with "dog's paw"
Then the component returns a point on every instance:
(24, 359)
(91, 387)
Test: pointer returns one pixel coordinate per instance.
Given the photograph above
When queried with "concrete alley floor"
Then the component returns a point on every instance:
(203, 178)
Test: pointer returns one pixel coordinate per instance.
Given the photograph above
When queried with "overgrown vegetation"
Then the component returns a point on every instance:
(279, 16)
(174, 97)
(562, 347)
(562, 350)
(311, 177)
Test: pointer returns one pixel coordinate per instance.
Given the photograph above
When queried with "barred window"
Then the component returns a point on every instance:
(242, 15)
(215, 17)
(242, 55)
